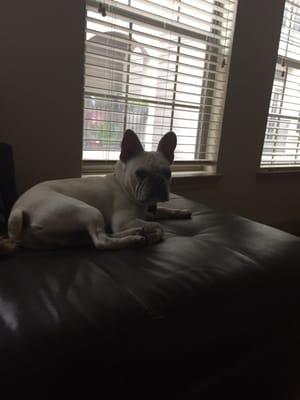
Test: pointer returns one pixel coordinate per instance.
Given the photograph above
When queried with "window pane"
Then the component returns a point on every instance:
(152, 79)
(282, 140)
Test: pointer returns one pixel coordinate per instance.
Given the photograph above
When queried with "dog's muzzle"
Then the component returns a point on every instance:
(154, 189)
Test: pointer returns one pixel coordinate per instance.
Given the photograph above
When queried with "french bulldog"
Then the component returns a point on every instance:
(113, 212)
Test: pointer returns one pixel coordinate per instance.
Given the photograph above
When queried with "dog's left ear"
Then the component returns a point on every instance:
(167, 145)
(130, 146)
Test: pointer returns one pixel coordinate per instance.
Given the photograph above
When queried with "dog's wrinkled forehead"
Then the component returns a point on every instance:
(152, 161)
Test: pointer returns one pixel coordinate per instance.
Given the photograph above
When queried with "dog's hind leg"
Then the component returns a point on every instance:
(132, 231)
(15, 224)
(103, 241)
(120, 240)
(55, 220)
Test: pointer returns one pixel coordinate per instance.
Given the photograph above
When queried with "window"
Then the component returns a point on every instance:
(154, 66)
(282, 140)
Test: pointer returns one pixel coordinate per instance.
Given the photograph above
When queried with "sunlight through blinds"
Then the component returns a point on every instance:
(155, 66)
(282, 139)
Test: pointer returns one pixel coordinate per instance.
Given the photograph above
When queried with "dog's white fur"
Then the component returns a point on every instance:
(110, 210)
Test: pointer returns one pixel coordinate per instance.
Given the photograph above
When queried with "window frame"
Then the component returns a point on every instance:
(188, 167)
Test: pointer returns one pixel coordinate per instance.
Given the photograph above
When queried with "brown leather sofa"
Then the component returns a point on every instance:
(211, 312)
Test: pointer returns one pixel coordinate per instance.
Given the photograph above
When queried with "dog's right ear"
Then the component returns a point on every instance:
(130, 146)
(167, 145)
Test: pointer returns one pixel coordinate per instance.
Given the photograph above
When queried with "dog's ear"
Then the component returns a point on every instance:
(167, 145)
(130, 146)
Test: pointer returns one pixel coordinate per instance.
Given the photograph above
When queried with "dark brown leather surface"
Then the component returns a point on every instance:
(219, 296)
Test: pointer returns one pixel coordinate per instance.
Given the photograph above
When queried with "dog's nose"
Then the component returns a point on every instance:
(159, 189)
(163, 196)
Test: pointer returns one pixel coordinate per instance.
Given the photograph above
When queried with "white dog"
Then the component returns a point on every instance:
(110, 211)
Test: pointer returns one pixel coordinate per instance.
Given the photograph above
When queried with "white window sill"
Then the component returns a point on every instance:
(193, 174)
(176, 176)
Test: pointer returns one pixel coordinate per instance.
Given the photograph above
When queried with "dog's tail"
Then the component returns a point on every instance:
(15, 226)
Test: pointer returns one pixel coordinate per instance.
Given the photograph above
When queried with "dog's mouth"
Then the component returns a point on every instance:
(152, 191)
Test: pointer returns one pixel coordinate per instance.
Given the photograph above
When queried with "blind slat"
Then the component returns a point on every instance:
(284, 155)
(165, 24)
(149, 114)
(282, 140)
(109, 141)
(145, 55)
(200, 6)
(158, 135)
(140, 123)
(94, 78)
(196, 46)
(175, 13)
(156, 78)
(144, 97)
(184, 107)
(191, 67)
(155, 38)
(134, 14)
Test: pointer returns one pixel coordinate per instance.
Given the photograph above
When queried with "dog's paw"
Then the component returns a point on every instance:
(185, 214)
(7, 246)
(135, 241)
(153, 233)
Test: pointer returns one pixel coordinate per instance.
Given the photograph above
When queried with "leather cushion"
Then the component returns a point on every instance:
(7, 179)
(217, 286)
(2, 217)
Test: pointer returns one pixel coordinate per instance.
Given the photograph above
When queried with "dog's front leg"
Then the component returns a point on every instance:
(152, 231)
(158, 213)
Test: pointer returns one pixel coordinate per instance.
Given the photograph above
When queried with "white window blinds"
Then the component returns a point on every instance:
(154, 66)
(282, 139)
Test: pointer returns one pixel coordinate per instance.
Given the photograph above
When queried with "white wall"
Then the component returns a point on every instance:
(41, 87)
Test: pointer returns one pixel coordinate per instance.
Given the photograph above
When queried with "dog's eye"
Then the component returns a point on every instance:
(141, 173)
(166, 173)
